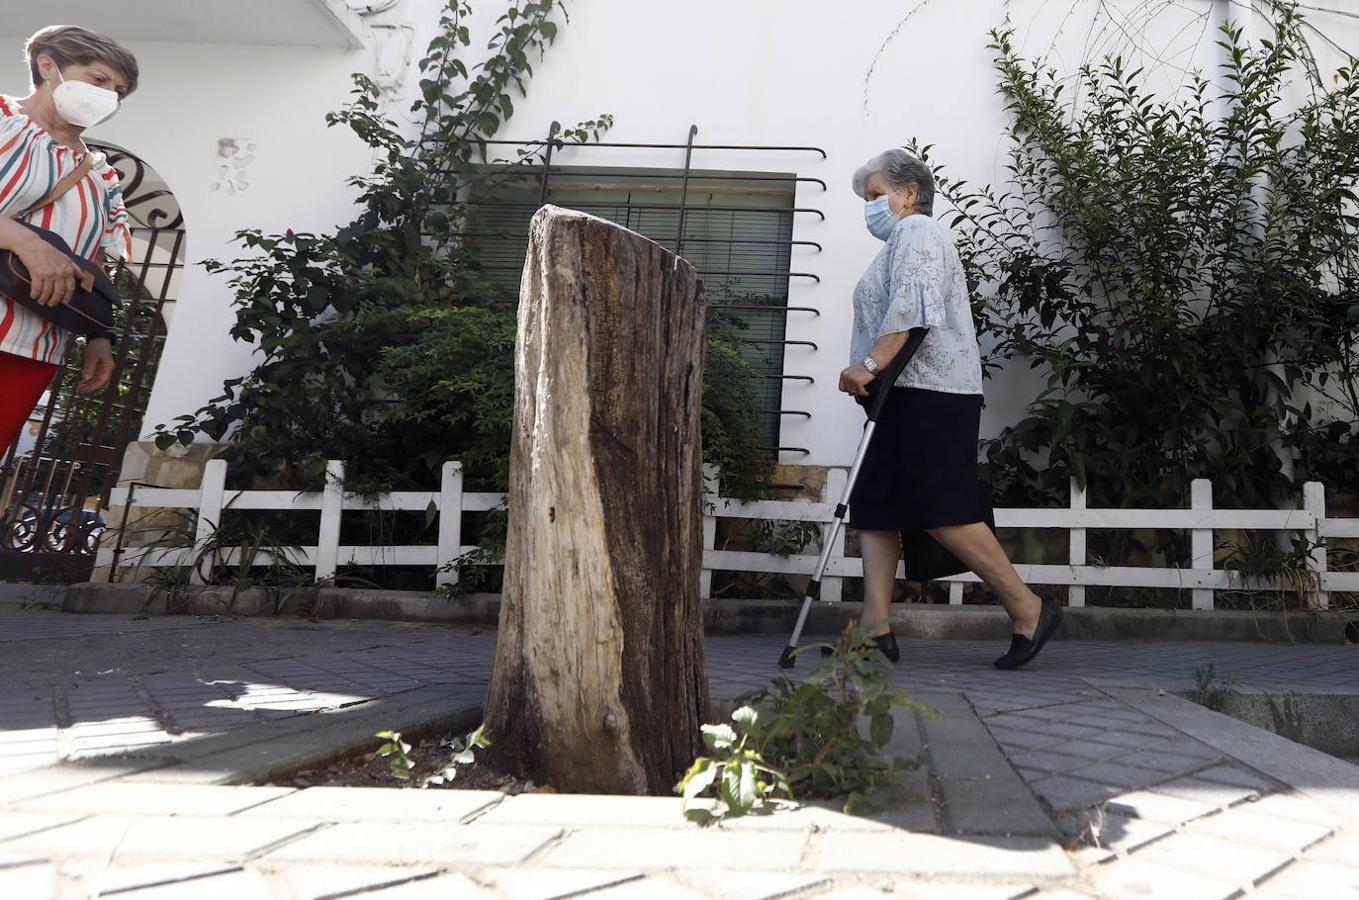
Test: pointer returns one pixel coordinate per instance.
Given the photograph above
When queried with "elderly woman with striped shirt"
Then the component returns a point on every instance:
(79, 79)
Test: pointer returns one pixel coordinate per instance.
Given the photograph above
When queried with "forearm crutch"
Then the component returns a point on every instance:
(882, 388)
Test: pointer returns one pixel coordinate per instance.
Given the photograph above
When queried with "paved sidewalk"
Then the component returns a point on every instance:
(1081, 776)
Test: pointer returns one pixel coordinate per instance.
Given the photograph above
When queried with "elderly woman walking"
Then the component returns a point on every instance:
(920, 471)
(79, 79)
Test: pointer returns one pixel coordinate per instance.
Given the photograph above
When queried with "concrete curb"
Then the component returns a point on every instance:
(260, 753)
(920, 622)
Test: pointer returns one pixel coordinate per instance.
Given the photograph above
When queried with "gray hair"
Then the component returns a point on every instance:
(73, 45)
(902, 169)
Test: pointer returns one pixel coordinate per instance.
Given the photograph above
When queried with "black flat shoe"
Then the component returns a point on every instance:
(886, 643)
(1023, 649)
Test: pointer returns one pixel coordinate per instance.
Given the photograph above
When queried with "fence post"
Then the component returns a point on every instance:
(332, 508)
(832, 588)
(1075, 595)
(1314, 502)
(210, 491)
(1201, 541)
(450, 523)
(710, 488)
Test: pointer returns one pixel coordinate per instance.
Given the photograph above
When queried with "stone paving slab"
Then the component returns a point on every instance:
(1133, 878)
(1309, 880)
(651, 849)
(933, 856)
(378, 804)
(729, 885)
(413, 844)
(1247, 828)
(155, 799)
(100, 879)
(442, 886)
(523, 884)
(311, 882)
(179, 837)
(1225, 860)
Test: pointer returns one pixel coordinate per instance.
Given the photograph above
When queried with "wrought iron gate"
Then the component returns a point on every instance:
(55, 480)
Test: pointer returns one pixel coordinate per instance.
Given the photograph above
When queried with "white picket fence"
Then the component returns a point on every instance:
(1202, 578)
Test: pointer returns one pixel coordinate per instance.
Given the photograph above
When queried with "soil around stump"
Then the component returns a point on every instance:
(429, 755)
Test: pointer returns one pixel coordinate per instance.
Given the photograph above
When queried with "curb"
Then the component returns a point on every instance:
(260, 753)
(915, 621)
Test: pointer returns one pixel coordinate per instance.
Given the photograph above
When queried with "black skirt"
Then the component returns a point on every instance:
(920, 471)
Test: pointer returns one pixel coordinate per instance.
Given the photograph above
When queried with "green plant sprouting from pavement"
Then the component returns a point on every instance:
(397, 753)
(1209, 691)
(403, 767)
(805, 740)
(736, 770)
(1287, 715)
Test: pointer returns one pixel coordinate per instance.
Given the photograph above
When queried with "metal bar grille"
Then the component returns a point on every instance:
(735, 227)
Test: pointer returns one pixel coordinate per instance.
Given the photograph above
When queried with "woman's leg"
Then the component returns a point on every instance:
(977, 547)
(881, 552)
(22, 382)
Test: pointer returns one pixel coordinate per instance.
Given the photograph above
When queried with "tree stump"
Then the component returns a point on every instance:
(599, 682)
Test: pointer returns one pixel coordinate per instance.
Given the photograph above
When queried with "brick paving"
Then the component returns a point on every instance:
(1077, 777)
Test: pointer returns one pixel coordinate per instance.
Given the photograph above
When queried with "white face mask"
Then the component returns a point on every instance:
(83, 104)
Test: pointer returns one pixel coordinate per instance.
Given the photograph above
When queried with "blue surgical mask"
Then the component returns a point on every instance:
(880, 218)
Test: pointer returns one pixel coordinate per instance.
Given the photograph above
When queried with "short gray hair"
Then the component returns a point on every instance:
(901, 169)
(73, 45)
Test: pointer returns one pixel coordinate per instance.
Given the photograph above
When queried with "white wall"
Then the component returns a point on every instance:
(745, 71)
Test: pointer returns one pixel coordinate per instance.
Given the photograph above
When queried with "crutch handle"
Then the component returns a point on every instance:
(880, 387)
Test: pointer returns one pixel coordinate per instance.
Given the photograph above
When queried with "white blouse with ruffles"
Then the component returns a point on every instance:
(917, 280)
(90, 217)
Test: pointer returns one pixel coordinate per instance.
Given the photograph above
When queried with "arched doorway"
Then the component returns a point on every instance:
(55, 481)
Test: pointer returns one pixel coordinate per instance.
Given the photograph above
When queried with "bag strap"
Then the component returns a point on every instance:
(61, 187)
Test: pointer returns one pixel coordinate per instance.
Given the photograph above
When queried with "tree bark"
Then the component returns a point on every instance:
(599, 682)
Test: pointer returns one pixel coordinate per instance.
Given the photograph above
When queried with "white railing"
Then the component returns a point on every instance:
(1202, 578)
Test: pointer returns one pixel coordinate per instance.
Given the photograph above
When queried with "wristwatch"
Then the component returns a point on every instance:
(871, 366)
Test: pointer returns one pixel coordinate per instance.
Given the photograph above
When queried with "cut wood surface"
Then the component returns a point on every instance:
(599, 681)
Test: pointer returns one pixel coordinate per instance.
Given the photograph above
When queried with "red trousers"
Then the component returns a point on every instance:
(22, 382)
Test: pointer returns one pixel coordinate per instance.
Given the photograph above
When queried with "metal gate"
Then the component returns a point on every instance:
(55, 480)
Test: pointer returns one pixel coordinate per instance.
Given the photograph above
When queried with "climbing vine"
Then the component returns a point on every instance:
(383, 342)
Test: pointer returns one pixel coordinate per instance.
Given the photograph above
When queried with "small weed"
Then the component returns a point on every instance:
(742, 776)
(1284, 571)
(1208, 691)
(805, 740)
(402, 767)
(397, 753)
(1287, 714)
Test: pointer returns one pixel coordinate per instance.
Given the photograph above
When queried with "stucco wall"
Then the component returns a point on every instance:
(851, 79)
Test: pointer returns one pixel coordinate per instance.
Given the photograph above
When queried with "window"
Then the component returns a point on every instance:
(737, 234)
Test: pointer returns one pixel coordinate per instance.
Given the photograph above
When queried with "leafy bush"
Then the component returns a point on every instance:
(1185, 280)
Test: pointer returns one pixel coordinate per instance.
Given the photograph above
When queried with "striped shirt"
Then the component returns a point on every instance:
(90, 217)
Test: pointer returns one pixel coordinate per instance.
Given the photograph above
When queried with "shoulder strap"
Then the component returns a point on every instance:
(61, 187)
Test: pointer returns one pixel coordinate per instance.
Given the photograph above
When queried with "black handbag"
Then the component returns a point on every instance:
(927, 560)
(90, 309)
